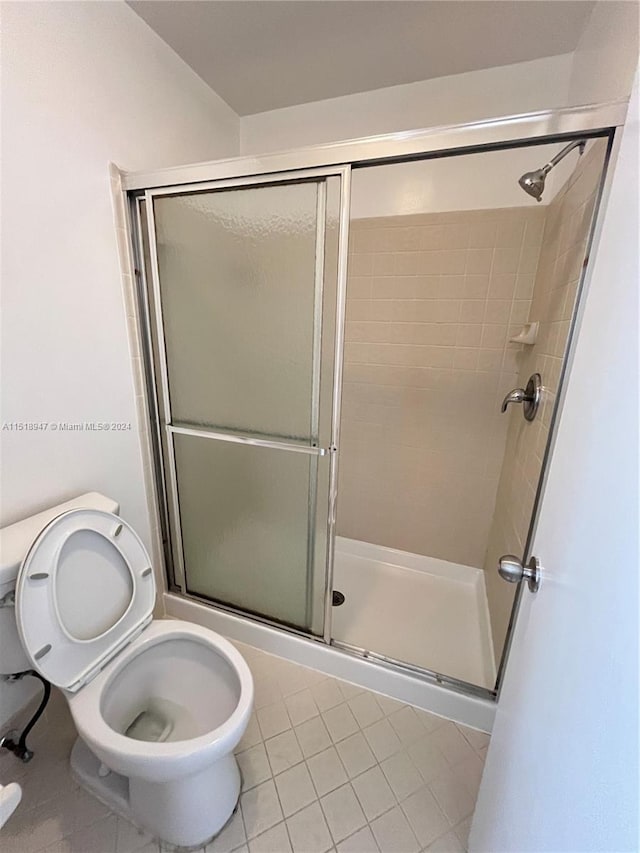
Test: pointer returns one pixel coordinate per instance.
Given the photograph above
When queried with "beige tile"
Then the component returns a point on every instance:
(409, 263)
(431, 237)
(453, 262)
(497, 311)
(479, 261)
(494, 336)
(456, 235)
(509, 234)
(502, 286)
(506, 261)
(472, 311)
(361, 264)
(469, 335)
(358, 287)
(382, 264)
(476, 286)
(482, 235)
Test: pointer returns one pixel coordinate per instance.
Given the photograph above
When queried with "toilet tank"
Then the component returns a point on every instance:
(15, 541)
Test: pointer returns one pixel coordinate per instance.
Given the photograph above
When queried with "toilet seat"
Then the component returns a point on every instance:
(84, 591)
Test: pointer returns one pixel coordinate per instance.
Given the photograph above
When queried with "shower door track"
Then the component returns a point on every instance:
(591, 121)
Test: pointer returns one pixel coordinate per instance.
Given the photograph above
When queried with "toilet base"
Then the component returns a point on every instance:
(186, 814)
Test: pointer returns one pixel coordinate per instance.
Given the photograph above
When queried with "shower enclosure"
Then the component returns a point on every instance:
(328, 338)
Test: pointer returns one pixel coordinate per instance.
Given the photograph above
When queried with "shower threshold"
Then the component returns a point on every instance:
(427, 612)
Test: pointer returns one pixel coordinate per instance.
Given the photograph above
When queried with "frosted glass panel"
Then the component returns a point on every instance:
(237, 277)
(246, 526)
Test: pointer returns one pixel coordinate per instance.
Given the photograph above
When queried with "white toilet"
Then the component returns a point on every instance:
(159, 705)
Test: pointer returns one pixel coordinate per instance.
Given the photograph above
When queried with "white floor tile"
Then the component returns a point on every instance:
(431, 722)
(254, 766)
(453, 797)
(100, 837)
(388, 704)
(349, 690)
(452, 744)
(462, 831)
(231, 837)
(312, 736)
(373, 792)
(64, 846)
(427, 757)
(340, 722)
(343, 813)
(449, 843)
(365, 709)
(274, 840)
(426, 819)
(355, 754)
(407, 725)
(308, 831)
(273, 719)
(327, 694)
(361, 841)
(129, 839)
(402, 775)
(295, 789)
(393, 834)
(382, 739)
(326, 771)
(469, 772)
(478, 740)
(265, 692)
(261, 808)
(283, 751)
(252, 735)
(301, 706)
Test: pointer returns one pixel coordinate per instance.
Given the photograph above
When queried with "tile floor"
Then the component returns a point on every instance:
(326, 766)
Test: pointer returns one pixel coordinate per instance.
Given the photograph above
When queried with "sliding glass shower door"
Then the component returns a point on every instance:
(243, 304)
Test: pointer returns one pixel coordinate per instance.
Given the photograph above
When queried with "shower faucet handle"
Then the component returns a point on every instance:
(529, 397)
(518, 395)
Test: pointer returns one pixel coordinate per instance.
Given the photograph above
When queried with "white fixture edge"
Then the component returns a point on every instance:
(471, 711)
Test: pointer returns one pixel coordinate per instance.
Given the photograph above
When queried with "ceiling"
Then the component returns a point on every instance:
(264, 54)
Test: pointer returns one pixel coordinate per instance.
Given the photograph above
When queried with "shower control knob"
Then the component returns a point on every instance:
(529, 397)
(510, 568)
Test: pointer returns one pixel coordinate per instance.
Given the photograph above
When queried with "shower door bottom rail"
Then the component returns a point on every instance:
(428, 674)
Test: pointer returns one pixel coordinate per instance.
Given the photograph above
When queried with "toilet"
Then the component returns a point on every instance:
(159, 705)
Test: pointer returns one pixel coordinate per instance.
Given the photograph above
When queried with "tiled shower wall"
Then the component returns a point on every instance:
(431, 302)
(562, 257)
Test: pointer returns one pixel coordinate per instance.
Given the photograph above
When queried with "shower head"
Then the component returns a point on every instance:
(533, 182)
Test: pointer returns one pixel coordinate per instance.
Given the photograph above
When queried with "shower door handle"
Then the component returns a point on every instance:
(529, 397)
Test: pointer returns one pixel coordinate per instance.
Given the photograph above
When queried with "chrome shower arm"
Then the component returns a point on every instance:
(577, 143)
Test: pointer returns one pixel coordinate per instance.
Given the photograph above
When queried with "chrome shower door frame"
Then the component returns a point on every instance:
(525, 130)
(156, 370)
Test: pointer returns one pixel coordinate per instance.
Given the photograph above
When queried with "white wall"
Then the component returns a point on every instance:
(562, 768)
(606, 57)
(483, 181)
(521, 88)
(83, 84)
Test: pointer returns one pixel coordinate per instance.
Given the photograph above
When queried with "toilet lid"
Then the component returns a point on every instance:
(84, 591)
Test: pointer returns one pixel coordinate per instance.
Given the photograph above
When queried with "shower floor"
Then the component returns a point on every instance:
(415, 609)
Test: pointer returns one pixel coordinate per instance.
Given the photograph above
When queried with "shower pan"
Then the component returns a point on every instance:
(243, 276)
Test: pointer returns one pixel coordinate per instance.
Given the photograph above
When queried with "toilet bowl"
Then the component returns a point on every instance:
(159, 705)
